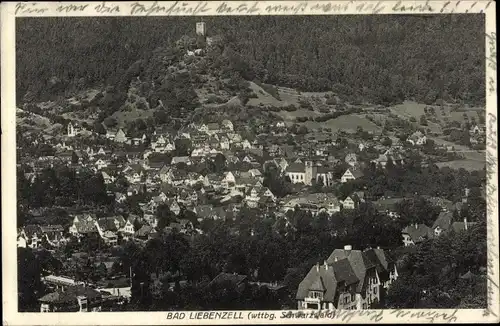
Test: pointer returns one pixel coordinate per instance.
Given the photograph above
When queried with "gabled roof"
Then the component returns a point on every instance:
(180, 159)
(236, 279)
(381, 261)
(31, 229)
(357, 173)
(351, 157)
(156, 165)
(460, 226)
(213, 126)
(86, 226)
(107, 224)
(295, 168)
(344, 272)
(358, 262)
(317, 285)
(144, 231)
(419, 232)
(51, 228)
(70, 295)
(468, 276)
(328, 280)
(443, 221)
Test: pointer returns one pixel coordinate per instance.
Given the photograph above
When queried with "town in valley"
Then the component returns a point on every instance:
(246, 163)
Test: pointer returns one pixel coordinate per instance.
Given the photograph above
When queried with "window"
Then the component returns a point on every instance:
(375, 290)
(44, 308)
(316, 294)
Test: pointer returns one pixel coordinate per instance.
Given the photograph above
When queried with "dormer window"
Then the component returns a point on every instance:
(316, 294)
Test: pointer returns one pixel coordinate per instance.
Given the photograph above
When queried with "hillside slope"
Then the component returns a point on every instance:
(382, 58)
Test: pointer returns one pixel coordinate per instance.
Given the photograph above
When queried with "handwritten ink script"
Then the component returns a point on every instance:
(491, 209)
(177, 8)
(373, 315)
(491, 60)
(166, 8)
(341, 315)
(429, 316)
(491, 170)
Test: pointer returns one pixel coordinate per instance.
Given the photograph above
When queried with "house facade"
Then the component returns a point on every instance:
(349, 279)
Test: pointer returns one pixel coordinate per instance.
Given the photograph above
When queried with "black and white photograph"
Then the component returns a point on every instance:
(251, 163)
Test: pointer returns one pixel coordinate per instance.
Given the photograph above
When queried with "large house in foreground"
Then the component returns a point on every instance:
(348, 279)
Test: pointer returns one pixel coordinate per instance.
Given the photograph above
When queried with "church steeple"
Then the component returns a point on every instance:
(201, 28)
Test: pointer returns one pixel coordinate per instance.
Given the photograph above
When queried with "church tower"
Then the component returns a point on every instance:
(310, 173)
(201, 29)
(71, 130)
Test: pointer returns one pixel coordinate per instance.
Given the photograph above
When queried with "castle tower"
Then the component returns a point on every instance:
(201, 28)
(310, 173)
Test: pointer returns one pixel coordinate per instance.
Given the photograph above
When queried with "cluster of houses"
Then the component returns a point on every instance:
(444, 223)
(416, 233)
(180, 186)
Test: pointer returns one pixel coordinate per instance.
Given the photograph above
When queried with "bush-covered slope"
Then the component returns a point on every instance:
(382, 58)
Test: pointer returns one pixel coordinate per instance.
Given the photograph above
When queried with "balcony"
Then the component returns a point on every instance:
(312, 300)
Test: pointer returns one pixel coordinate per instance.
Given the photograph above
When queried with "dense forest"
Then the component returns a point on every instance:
(379, 58)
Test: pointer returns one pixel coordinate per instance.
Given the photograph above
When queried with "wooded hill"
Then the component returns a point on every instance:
(380, 58)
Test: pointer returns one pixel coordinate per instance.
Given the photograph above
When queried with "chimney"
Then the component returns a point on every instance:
(416, 226)
(465, 223)
(347, 249)
(317, 267)
(336, 259)
(326, 265)
(378, 247)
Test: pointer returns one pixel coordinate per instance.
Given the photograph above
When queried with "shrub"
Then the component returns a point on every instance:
(215, 99)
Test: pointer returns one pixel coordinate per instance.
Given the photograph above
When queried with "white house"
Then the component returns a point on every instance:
(348, 203)
(351, 174)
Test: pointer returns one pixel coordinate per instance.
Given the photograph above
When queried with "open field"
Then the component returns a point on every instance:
(348, 123)
(267, 99)
(410, 109)
(286, 115)
(469, 165)
(124, 117)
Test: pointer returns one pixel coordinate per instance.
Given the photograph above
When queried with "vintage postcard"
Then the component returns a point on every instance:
(249, 162)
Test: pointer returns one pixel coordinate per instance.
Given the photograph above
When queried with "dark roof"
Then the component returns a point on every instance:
(236, 279)
(317, 285)
(418, 233)
(51, 228)
(144, 231)
(348, 267)
(344, 272)
(296, 167)
(32, 229)
(70, 295)
(460, 226)
(359, 262)
(467, 276)
(107, 224)
(382, 262)
(443, 221)
(156, 165)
